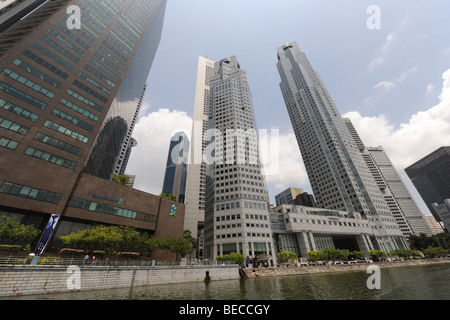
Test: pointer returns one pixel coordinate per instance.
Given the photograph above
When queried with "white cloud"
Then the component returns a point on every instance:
(424, 132)
(291, 170)
(388, 85)
(383, 51)
(148, 158)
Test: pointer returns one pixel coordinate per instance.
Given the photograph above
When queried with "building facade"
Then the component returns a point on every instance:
(302, 229)
(68, 97)
(338, 174)
(196, 180)
(435, 226)
(431, 177)
(287, 196)
(400, 202)
(177, 166)
(236, 208)
(443, 211)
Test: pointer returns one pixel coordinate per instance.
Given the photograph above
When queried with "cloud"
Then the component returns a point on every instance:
(389, 85)
(423, 133)
(148, 158)
(290, 170)
(384, 50)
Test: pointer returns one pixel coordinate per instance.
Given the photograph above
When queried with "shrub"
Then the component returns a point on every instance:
(70, 251)
(10, 247)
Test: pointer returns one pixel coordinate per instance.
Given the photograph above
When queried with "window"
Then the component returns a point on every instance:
(29, 192)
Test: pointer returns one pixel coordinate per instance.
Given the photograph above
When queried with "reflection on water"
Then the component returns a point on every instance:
(407, 283)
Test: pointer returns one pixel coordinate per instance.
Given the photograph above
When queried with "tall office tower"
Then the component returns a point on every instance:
(122, 165)
(176, 166)
(196, 181)
(431, 177)
(339, 177)
(402, 205)
(236, 208)
(69, 95)
(128, 143)
(12, 11)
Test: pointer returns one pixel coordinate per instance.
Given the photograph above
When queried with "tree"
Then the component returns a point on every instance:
(314, 255)
(96, 237)
(179, 245)
(378, 253)
(169, 196)
(12, 231)
(237, 258)
(122, 179)
(287, 256)
(358, 254)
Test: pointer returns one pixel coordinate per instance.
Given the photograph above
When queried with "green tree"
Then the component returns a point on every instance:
(287, 256)
(237, 258)
(314, 255)
(169, 196)
(122, 179)
(358, 254)
(96, 237)
(178, 245)
(378, 253)
(12, 231)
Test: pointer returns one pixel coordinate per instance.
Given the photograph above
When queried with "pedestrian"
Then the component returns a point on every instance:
(86, 257)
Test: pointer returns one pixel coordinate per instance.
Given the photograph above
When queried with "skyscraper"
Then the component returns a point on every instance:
(68, 96)
(176, 166)
(196, 180)
(400, 202)
(236, 208)
(339, 177)
(12, 11)
(431, 177)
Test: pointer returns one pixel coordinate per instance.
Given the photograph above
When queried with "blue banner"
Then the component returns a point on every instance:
(47, 233)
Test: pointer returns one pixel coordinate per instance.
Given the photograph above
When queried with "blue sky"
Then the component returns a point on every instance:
(386, 75)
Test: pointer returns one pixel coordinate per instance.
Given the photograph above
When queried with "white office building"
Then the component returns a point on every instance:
(236, 208)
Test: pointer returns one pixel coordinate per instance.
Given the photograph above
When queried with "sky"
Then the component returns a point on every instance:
(393, 80)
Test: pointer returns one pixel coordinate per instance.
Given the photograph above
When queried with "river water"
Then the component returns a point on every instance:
(429, 282)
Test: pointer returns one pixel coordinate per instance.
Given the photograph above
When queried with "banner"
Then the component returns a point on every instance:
(47, 233)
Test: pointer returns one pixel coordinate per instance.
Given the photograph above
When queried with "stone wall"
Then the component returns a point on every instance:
(26, 280)
(286, 271)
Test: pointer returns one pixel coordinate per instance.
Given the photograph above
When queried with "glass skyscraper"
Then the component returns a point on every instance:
(338, 174)
(431, 177)
(69, 96)
(176, 166)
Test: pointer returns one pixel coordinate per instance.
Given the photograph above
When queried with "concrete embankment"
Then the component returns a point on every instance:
(39, 279)
(289, 271)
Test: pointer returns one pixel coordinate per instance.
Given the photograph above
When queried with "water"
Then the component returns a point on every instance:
(430, 282)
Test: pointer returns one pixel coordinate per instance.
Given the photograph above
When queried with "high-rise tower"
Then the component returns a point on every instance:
(236, 208)
(339, 177)
(176, 166)
(69, 96)
(196, 180)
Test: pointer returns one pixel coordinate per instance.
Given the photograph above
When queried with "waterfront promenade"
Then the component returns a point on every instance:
(23, 280)
(340, 267)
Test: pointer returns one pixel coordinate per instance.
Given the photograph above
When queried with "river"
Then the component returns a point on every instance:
(426, 282)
